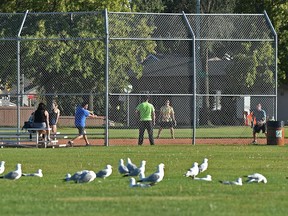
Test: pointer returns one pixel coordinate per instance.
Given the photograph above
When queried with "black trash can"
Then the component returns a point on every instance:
(275, 133)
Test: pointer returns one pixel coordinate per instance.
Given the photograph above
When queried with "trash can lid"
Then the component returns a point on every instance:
(275, 124)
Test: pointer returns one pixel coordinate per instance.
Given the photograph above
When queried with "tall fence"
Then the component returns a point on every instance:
(213, 68)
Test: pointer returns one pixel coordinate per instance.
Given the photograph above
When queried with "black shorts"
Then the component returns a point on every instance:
(257, 128)
(166, 124)
(81, 130)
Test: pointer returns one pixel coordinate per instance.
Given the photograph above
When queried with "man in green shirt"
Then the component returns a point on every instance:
(146, 114)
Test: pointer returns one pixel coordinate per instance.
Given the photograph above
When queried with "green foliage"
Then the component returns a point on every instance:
(278, 13)
(251, 67)
(175, 195)
(63, 5)
(155, 6)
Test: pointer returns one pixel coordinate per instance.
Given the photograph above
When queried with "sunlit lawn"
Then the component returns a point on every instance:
(175, 195)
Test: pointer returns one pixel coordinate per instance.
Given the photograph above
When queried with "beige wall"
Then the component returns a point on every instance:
(8, 118)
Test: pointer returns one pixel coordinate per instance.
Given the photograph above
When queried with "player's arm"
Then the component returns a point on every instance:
(153, 116)
(137, 113)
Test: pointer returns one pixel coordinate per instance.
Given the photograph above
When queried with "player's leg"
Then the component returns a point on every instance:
(81, 131)
(256, 130)
(141, 132)
(172, 133)
(159, 131)
(149, 127)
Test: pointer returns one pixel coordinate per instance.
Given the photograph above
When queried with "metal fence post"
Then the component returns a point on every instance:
(106, 143)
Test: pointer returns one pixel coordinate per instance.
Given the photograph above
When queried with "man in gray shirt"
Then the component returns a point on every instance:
(259, 116)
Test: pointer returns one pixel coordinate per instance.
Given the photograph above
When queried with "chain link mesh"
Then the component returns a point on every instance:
(62, 57)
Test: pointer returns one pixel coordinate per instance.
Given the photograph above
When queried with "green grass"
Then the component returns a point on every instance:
(175, 195)
(216, 132)
(212, 132)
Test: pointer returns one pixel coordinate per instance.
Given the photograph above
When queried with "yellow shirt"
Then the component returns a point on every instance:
(166, 113)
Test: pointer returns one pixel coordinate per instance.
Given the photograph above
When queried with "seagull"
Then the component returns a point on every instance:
(204, 165)
(105, 172)
(130, 165)
(193, 171)
(75, 177)
(155, 177)
(141, 175)
(2, 167)
(37, 174)
(14, 175)
(86, 177)
(134, 184)
(206, 178)
(122, 168)
(256, 177)
(237, 182)
(137, 171)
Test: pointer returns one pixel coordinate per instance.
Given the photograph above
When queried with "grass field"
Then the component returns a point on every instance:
(217, 132)
(175, 195)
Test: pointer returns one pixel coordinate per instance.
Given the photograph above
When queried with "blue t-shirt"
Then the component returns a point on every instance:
(259, 115)
(80, 116)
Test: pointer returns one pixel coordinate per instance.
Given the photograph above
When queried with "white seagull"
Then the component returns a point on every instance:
(203, 166)
(105, 172)
(155, 177)
(206, 178)
(134, 184)
(86, 177)
(36, 174)
(237, 182)
(130, 165)
(2, 167)
(256, 177)
(122, 168)
(138, 171)
(75, 177)
(14, 175)
(193, 171)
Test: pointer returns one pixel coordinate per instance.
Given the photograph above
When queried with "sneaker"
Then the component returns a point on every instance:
(88, 144)
(70, 143)
(254, 142)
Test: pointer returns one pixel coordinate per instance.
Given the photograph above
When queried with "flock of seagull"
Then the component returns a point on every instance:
(86, 176)
(196, 169)
(132, 171)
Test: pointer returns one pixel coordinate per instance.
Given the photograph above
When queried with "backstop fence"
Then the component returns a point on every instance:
(212, 68)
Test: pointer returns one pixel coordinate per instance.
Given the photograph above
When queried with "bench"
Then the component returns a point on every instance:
(18, 137)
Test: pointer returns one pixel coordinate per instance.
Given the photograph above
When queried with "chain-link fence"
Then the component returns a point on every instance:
(213, 68)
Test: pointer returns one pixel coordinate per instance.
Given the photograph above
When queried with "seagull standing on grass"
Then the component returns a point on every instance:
(134, 184)
(105, 172)
(203, 167)
(206, 178)
(36, 174)
(2, 167)
(256, 177)
(14, 175)
(155, 177)
(131, 167)
(193, 171)
(237, 182)
(122, 168)
(137, 171)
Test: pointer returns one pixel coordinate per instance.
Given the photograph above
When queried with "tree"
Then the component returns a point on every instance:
(154, 6)
(278, 13)
(72, 65)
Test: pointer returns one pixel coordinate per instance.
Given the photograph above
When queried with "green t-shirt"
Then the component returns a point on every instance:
(145, 109)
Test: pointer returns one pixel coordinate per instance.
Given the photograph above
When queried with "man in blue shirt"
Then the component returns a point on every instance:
(259, 116)
(80, 122)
